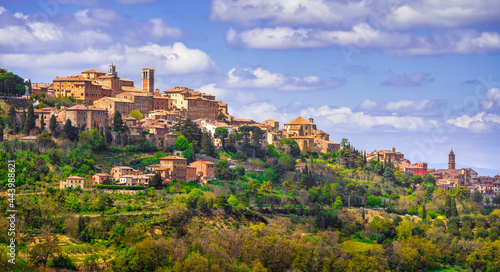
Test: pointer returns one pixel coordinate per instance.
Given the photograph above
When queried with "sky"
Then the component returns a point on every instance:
(421, 76)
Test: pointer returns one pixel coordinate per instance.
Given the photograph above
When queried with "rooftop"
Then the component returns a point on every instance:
(299, 121)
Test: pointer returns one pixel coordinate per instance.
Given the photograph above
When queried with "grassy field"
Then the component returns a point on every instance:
(353, 246)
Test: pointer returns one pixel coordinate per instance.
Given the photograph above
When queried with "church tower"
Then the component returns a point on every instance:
(451, 160)
(148, 80)
(112, 70)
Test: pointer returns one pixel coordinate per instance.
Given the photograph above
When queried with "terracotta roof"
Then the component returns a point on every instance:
(125, 79)
(74, 177)
(71, 78)
(93, 71)
(83, 107)
(116, 99)
(147, 69)
(173, 158)
(132, 89)
(299, 121)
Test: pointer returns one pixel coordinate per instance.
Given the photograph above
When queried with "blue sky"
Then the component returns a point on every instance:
(421, 76)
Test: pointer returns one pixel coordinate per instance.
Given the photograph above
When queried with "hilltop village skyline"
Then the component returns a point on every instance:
(101, 94)
(110, 92)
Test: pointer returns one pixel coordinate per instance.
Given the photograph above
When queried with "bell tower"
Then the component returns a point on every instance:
(148, 80)
(451, 160)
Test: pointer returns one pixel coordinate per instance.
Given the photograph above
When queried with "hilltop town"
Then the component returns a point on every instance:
(100, 95)
(102, 173)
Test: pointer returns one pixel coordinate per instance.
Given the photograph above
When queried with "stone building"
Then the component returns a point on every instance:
(112, 104)
(83, 116)
(73, 182)
(176, 166)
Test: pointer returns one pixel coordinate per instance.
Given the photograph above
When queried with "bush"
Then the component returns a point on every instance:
(62, 261)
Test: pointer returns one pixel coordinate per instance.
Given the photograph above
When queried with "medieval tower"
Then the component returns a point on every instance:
(451, 160)
(148, 80)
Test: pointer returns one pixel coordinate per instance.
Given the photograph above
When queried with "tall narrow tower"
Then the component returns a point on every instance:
(148, 80)
(451, 160)
(112, 70)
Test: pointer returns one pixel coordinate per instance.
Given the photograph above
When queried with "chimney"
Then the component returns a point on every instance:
(311, 120)
(393, 149)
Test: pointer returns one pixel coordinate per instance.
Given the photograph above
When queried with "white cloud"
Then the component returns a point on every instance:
(258, 112)
(342, 118)
(479, 123)
(406, 104)
(345, 118)
(261, 78)
(97, 17)
(167, 60)
(229, 96)
(175, 59)
(492, 99)
(367, 104)
(161, 29)
(390, 14)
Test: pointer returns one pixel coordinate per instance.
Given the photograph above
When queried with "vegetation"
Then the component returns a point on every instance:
(340, 213)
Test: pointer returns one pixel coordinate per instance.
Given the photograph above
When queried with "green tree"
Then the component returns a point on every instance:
(104, 202)
(108, 137)
(222, 170)
(156, 181)
(1, 133)
(239, 170)
(337, 205)
(290, 146)
(461, 193)
(181, 143)
(454, 211)
(222, 117)
(41, 252)
(207, 145)
(24, 125)
(53, 124)
(477, 197)
(428, 178)
(30, 118)
(70, 131)
(233, 201)
(136, 114)
(447, 206)
(221, 202)
(404, 229)
(271, 150)
(222, 133)
(117, 121)
(11, 117)
(42, 123)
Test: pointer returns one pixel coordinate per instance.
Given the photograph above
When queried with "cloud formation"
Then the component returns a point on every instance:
(386, 26)
(261, 78)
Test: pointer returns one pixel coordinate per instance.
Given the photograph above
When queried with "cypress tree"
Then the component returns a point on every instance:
(454, 211)
(109, 137)
(125, 139)
(424, 212)
(1, 133)
(42, 124)
(30, 119)
(118, 139)
(447, 206)
(53, 124)
(11, 117)
(117, 121)
(23, 121)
